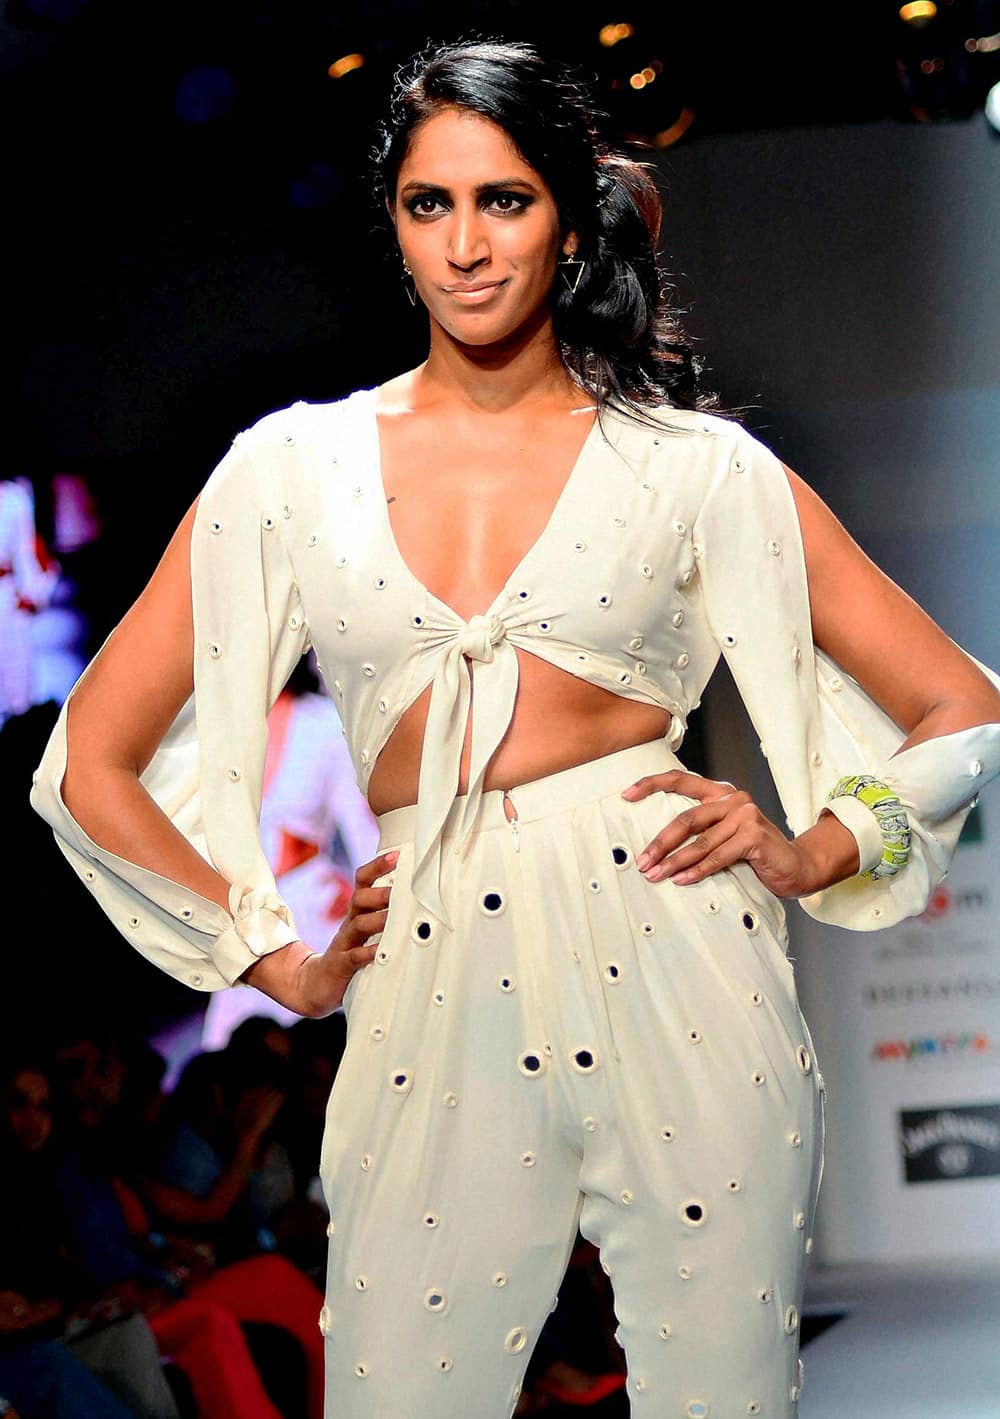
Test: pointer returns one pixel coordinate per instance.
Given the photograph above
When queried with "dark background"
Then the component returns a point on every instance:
(190, 240)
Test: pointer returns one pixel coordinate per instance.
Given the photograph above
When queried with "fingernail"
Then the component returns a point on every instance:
(683, 878)
(642, 860)
(629, 790)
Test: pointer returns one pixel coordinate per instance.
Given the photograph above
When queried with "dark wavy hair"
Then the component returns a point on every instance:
(618, 334)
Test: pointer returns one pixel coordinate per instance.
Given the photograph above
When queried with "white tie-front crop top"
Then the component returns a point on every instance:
(666, 548)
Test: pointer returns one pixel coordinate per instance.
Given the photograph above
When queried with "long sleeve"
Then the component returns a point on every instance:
(815, 721)
(207, 773)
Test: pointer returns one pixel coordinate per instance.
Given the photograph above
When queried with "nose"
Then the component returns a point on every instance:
(467, 244)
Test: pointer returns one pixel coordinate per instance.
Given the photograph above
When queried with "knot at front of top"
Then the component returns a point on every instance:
(479, 635)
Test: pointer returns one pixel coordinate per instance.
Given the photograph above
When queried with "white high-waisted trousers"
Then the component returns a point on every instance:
(586, 1049)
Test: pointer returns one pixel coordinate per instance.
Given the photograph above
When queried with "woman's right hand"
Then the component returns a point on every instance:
(330, 972)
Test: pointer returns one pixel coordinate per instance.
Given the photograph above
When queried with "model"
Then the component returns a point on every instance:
(569, 1002)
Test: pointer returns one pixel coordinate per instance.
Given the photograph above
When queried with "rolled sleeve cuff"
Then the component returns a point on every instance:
(262, 923)
(862, 822)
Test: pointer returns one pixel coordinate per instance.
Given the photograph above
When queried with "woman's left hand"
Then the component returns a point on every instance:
(730, 828)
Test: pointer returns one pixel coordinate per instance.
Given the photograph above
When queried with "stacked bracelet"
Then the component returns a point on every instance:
(893, 823)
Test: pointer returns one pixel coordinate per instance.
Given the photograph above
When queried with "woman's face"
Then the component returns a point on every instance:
(29, 1110)
(478, 228)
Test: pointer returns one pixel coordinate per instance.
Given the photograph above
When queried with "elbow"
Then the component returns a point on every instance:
(90, 765)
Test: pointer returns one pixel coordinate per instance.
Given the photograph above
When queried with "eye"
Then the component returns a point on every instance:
(510, 201)
(417, 208)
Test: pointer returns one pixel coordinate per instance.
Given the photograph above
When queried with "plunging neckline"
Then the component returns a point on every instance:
(554, 516)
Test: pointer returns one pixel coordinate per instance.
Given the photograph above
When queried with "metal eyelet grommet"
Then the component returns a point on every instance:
(523, 595)
(627, 1196)
(774, 548)
(680, 528)
(668, 1133)
(416, 620)
(734, 1185)
(401, 1080)
(729, 639)
(545, 627)
(185, 913)
(379, 583)
(311, 540)
(492, 903)
(134, 921)
(234, 775)
(750, 922)
(795, 1138)
(215, 527)
(531, 1064)
(624, 677)
(757, 997)
(366, 1162)
(579, 546)
(507, 984)
(618, 521)
(515, 1340)
(612, 973)
(500, 1278)
(799, 1221)
(528, 1159)
(694, 1036)
(640, 667)
(422, 931)
(594, 885)
(803, 1060)
(791, 1319)
(431, 1219)
(604, 599)
(677, 618)
(435, 1300)
(378, 1033)
(450, 1099)
(738, 465)
(647, 928)
(694, 1213)
(712, 907)
(584, 1060)
(647, 487)
(341, 561)
(341, 624)
(582, 656)
(383, 706)
(758, 1077)
(685, 1272)
(647, 571)
(357, 490)
(196, 978)
(665, 1331)
(444, 1363)
(591, 1124)
(621, 855)
(635, 643)
(368, 669)
(361, 1283)
(438, 997)
(267, 523)
(683, 660)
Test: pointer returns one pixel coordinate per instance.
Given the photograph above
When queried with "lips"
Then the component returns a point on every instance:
(471, 288)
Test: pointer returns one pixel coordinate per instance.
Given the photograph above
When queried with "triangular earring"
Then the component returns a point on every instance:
(570, 261)
(409, 287)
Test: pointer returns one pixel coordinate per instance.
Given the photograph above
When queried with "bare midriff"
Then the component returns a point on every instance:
(493, 486)
(559, 721)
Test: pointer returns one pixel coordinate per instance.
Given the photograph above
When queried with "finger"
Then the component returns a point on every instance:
(708, 854)
(680, 781)
(365, 924)
(378, 866)
(694, 820)
(361, 956)
(370, 898)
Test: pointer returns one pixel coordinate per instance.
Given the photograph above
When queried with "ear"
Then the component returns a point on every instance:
(571, 244)
(390, 207)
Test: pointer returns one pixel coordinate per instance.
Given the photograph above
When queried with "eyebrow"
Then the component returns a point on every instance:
(483, 186)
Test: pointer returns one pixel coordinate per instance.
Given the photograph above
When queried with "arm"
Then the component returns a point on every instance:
(167, 838)
(891, 647)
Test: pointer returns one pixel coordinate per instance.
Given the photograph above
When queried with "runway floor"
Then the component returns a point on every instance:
(909, 1342)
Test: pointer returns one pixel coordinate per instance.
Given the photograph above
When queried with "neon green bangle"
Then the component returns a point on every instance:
(893, 822)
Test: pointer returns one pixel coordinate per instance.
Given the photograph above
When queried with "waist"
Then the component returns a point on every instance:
(541, 797)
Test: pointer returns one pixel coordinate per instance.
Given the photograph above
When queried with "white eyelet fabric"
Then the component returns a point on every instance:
(267, 584)
(574, 1101)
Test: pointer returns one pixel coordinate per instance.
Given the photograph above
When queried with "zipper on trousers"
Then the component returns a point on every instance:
(515, 826)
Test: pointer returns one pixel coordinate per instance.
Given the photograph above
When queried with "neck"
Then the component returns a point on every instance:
(523, 370)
